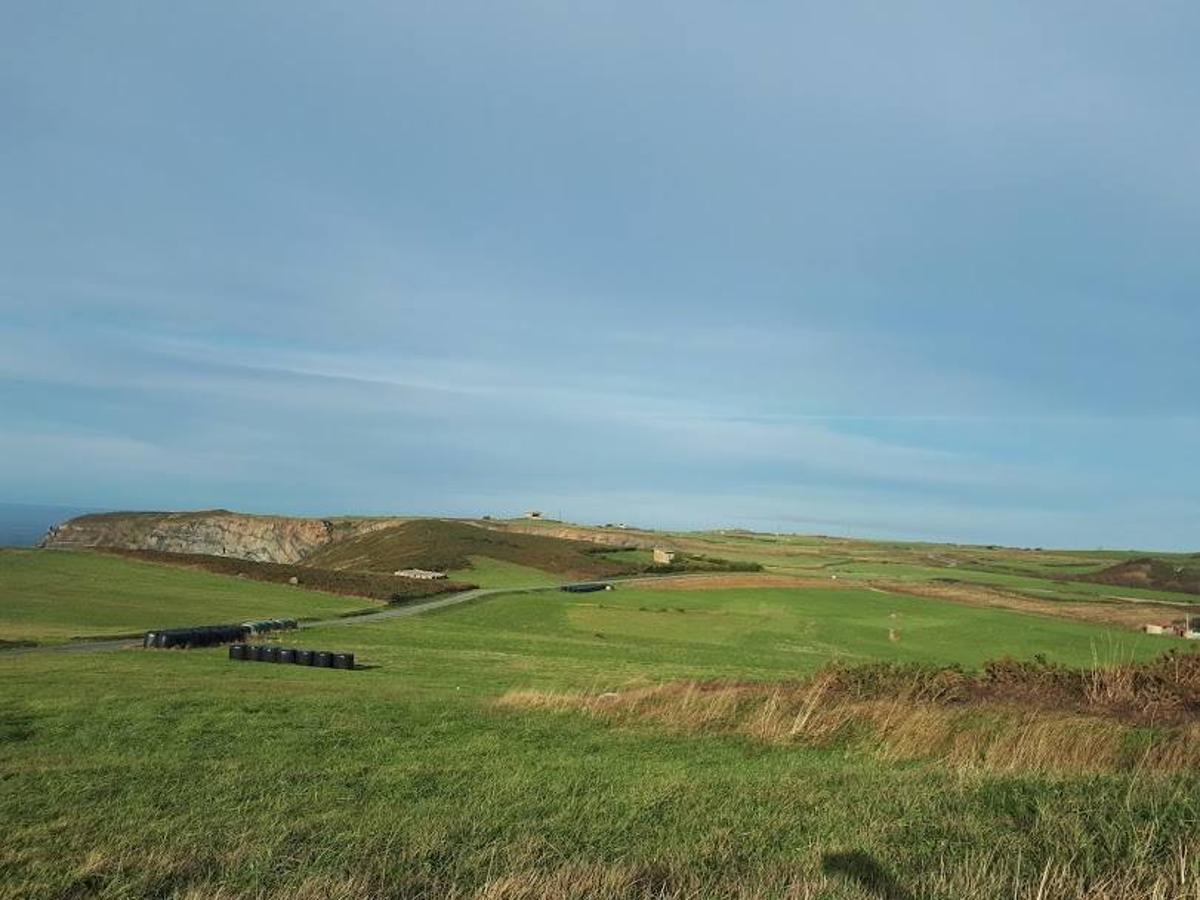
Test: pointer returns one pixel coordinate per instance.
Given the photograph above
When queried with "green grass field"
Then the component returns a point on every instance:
(606, 639)
(1025, 583)
(142, 773)
(53, 596)
(496, 573)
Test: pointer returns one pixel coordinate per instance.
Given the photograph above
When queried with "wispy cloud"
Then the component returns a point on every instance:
(923, 271)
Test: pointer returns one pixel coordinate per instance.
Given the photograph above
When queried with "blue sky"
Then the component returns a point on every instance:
(917, 270)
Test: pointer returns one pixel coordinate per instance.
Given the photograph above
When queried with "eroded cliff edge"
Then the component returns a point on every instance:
(280, 539)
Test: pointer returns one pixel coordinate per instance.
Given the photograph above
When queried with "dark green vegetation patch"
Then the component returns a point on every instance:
(445, 546)
(1151, 572)
(375, 585)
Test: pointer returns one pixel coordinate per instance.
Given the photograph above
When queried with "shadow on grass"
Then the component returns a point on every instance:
(867, 872)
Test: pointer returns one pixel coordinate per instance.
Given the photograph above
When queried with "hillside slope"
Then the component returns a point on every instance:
(374, 585)
(446, 546)
(55, 597)
(1151, 572)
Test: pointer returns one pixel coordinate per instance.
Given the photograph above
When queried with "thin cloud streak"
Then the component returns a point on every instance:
(923, 270)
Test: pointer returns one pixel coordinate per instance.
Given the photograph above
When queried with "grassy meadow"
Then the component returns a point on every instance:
(182, 774)
(53, 596)
(487, 572)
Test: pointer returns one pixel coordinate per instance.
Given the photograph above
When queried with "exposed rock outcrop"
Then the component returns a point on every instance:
(278, 539)
(620, 538)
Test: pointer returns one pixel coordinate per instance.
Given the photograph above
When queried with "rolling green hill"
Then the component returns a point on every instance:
(671, 738)
(53, 596)
(146, 773)
(447, 546)
(1151, 572)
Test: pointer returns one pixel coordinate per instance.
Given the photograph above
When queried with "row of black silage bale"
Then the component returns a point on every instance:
(264, 625)
(318, 659)
(197, 636)
(208, 635)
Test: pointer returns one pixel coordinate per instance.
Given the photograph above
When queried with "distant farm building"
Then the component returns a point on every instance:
(1173, 629)
(534, 514)
(663, 557)
(422, 574)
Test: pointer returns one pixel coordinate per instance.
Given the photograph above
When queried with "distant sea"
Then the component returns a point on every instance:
(23, 525)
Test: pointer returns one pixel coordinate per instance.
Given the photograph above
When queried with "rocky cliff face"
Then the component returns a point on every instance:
(617, 537)
(277, 539)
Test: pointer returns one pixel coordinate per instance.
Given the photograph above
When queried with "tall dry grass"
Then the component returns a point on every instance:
(1012, 717)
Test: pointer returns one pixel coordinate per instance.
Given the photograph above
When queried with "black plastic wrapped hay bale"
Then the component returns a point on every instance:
(238, 652)
(254, 653)
(270, 654)
(177, 637)
(343, 660)
(304, 658)
(149, 639)
(286, 657)
(322, 659)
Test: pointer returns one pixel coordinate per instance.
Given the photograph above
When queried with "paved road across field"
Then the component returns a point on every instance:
(390, 612)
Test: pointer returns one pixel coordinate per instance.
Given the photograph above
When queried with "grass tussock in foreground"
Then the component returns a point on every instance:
(1010, 717)
(845, 875)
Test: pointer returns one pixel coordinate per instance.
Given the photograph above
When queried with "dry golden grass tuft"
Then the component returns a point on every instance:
(1012, 718)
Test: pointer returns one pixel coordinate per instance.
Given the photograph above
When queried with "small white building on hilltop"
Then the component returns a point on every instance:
(420, 574)
(663, 557)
